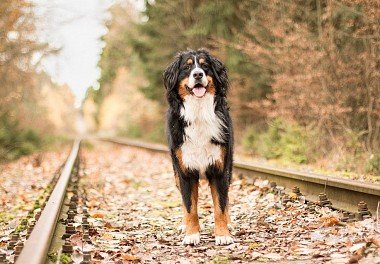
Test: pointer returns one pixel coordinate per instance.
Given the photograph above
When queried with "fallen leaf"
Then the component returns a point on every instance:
(375, 241)
(357, 247)
(255, 254)
(130, 257)
(253, 245)
(273, 256)
(329, 221)
(98, 215)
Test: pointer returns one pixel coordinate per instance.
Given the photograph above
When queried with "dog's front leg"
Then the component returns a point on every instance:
(189, 191)
(219, 191)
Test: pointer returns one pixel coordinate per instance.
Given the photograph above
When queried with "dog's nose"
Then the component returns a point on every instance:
(198, 75)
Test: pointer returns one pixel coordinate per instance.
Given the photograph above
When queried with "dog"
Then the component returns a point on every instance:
(200, 137)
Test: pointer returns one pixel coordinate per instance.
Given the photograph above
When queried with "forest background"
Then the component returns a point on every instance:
(34, 111)
(304, 76)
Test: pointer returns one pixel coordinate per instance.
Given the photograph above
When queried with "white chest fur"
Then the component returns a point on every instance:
(204, 124)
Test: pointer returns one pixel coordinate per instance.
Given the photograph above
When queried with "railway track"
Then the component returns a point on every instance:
(46, 238)
(344, 194)
(43, 231)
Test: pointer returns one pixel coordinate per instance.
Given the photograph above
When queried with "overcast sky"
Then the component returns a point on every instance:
(74, 26)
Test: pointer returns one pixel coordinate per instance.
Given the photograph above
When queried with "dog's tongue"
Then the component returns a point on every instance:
(199, 92)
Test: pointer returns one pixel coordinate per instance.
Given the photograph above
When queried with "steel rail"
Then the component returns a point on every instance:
(36, 247)
(345, 194)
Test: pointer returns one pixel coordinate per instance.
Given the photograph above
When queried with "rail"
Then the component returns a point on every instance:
(345, 194)
(36, 247)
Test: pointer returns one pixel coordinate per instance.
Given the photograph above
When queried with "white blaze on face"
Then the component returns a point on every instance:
(197, 80)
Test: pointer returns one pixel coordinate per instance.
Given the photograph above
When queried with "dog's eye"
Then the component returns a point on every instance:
(187, 67)
(205, 66)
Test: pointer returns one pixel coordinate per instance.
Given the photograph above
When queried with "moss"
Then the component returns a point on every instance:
(30, 214)
(20, 228)
(137, 184)
(48, 189)
(53, 256)
(220, 260)
(36, 205)
(5, 217)
(65, 259)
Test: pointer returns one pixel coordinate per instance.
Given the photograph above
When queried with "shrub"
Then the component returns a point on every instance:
(285, 141)
(134, 131)
(16, 141)
(373, 165)
(249, 139)
(154, 133)
(158, 133)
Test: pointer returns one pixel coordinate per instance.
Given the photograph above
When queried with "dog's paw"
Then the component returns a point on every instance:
(223, 240)
(193, 239)
(181, 229)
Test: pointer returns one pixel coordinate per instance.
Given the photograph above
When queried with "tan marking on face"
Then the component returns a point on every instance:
(182, 91)
(178, 154)
(191, 219)
(202, 60)
(221, 217)
(211, 87)
(220, 162)
(189, 61)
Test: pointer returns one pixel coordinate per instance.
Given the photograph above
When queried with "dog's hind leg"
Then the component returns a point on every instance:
(219, 191)
(189, 191)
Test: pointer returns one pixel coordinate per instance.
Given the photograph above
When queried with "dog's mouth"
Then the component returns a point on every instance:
(198, 90)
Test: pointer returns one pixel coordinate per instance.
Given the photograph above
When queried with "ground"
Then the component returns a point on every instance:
(22, 182)
(135, 210)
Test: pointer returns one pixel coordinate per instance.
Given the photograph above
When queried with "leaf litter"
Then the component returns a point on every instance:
(22, 182)
(136, 210)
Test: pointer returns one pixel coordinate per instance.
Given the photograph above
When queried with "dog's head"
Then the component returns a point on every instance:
(195, 73)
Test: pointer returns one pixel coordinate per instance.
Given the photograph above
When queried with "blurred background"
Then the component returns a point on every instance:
(304, 74)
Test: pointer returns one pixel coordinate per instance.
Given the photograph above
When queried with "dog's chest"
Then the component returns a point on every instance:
(203, 125)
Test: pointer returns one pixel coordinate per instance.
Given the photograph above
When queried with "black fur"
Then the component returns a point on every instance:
(176, 125)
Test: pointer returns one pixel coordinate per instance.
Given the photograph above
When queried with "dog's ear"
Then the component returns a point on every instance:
(220, 73)
(171, 74)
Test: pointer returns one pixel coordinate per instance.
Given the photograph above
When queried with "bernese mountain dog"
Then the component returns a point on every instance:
(200, 137)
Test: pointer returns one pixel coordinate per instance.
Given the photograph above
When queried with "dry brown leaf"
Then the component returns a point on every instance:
(107, 236)
(375, 241)
(130, 257)
(108, 225)
(354, 259)
(329, 221)
(357, 247)
(98, 215)
(293, 246)
(293, 196)
(253, 245)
